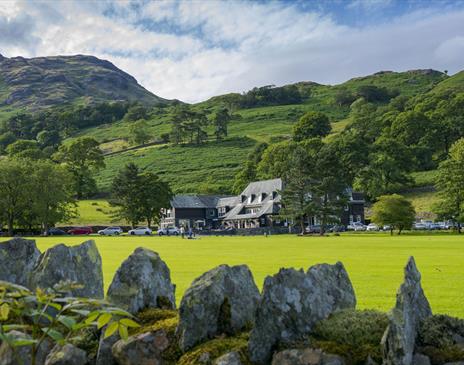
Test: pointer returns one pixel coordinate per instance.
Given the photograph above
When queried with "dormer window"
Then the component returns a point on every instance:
(262, 196)
(251, 198)
(274, 195)
(243, 198)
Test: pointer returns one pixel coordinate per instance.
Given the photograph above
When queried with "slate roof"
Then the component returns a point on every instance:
(196, 201)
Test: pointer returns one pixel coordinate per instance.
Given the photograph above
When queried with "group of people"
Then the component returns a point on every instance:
(190, 233)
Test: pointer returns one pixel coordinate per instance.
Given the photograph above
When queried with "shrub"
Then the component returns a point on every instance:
(437, 338)
(352, 334)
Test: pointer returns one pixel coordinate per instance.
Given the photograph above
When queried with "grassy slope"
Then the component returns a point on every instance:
(191, 165)
(93, 212)
(374, 261)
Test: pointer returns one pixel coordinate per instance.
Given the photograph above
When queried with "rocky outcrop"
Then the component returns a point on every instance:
(142, 281)
(143, 349)
(81, 264)
(66, 355)
(23, 354)
(18, 256)
(223, 300)
(230, 358)
(411, 308)
(306, 357)
(419, 359)
(293, 302)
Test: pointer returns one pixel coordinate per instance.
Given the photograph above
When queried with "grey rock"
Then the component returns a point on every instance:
(411, 308)
(18, 257)
(81, 264)
(66, 355)
(455, 363)
(306, 356)
(221, 301)
(230, 358)
(23, 353)
(104, 353)
(419, 359)
(142, 349)
(293, 302)
(142, 281)
(369, 361)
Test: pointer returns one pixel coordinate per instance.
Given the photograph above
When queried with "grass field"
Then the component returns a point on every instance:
(374, 261)
(93, 212)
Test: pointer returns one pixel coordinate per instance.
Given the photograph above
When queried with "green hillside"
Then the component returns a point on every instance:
(187, 167)
(454, 83)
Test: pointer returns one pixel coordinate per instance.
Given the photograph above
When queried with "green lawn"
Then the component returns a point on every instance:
(374, 261)
(93, 212)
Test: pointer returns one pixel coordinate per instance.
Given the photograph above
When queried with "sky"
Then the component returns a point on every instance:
(192, 50)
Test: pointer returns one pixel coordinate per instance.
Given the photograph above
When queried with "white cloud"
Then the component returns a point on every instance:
(194, 50)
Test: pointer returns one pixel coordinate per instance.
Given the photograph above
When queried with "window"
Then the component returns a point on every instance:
(347, 208)
(358, 218)
(351, 218)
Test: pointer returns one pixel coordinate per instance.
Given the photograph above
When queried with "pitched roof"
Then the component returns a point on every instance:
(196, 201)
(263, 186)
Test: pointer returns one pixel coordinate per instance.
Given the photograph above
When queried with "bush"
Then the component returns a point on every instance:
(437, 338)
(352, 334)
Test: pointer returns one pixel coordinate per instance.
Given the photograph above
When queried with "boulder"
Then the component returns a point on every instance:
(306, 357)
(419, 359)
(17, 259)
(143, 349)
(293, 302)
(411, 308)
(221, 301)
(81, 264)
(66, 355)
(230, 358)
(104, 353)
(142, 281)
(23, 353)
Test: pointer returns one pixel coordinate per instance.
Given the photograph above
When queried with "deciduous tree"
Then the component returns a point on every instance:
(395, 211)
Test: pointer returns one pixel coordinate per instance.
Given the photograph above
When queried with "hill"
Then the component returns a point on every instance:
(213, 165)
(38, 83)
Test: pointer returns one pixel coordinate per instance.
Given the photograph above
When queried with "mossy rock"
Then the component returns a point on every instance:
(353, 334)
(443, 355)
(152, 315)
(216, 348)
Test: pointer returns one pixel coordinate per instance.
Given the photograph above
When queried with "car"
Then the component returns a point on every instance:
(110, 231)
(169, 231)
(55, 232)
(80, 230)
(419, 226)
(435, 226)
(140, 231)
(356, 226)
(372, 227)
(386, 228)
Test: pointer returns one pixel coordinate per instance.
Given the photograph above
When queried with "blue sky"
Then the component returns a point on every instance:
(192, 50)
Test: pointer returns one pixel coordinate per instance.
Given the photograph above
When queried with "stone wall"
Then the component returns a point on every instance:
(300, 317)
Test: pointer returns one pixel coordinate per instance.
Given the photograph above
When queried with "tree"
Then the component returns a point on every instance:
(139, 196)
(24, 148)
(136, 112)
(344, 97)
(248, 172)
(220, 120)
(52, 193)
(49, 138)
(395, 211)
(82, 157)
(450, 185)
(139, 132)
(16, 188)
(310, 125)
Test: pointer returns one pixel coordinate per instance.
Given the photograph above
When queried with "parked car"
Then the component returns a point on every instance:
(110, 231)
(372, 227)
(55, 232)
(435, 226)
(337, 228)
(170, 231)
(140, 231)
(80, 230)
(419, 226)
(356, 226)
(386, 228)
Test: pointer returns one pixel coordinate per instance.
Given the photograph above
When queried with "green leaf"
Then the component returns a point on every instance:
(69, 322)
(22, 342)
(4, 311)
(103, 320)
(81, 312)
(92, 317)
(10, 327)
(129, 323)
(123, 332)
(111, 329)
(54, 334)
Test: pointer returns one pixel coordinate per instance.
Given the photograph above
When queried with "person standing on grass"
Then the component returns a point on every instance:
(182, 231)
